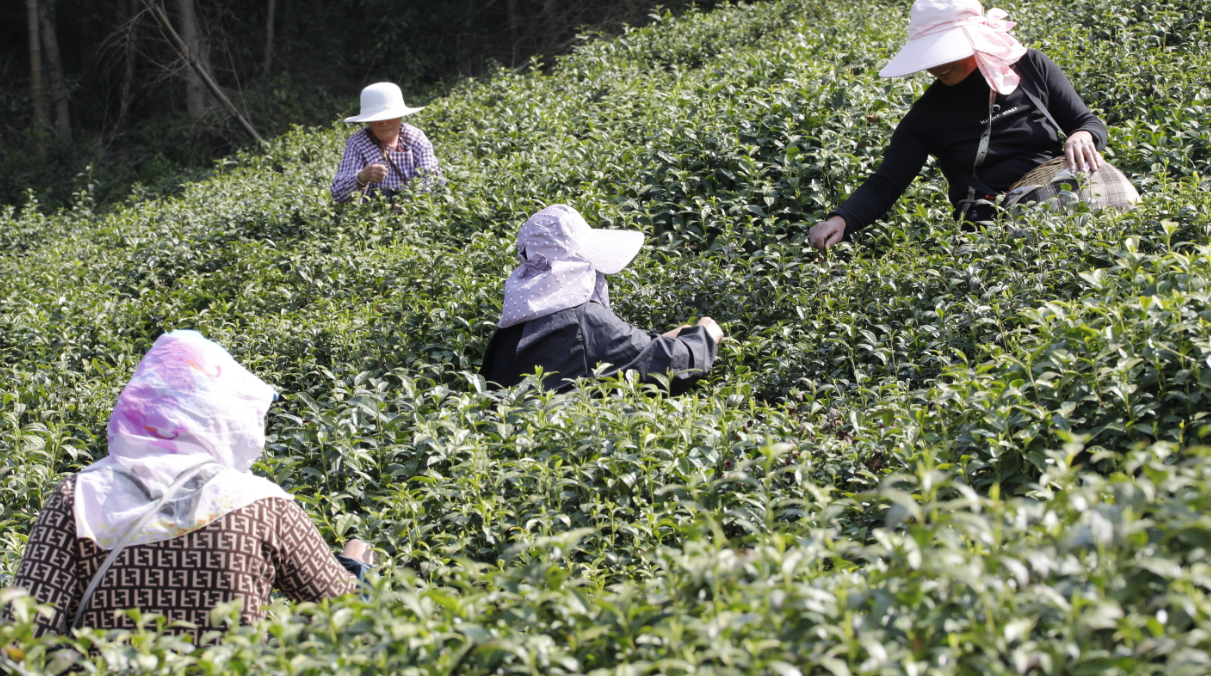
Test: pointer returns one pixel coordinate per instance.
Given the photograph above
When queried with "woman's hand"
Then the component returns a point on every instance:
(360, 550)
(374, 173)
(826, 234)
(712, 329)
(1081, 152)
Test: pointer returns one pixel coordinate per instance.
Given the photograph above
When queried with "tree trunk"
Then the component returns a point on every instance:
(284, 20)
(88, 12)
(268, 40)
(197, 99)
(35, 70)
(514, 30)
(465, 64)
(551, 30)
(128, 76)
(54, 69)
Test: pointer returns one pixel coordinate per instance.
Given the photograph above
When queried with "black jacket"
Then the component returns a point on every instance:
(947, 122)
(570, 343)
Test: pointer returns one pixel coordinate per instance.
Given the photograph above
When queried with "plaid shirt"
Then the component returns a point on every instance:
(414, 159)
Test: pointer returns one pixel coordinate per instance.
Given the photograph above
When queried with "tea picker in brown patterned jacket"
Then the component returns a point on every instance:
(172, 519)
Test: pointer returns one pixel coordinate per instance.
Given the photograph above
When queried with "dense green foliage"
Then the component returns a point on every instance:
(928, 451)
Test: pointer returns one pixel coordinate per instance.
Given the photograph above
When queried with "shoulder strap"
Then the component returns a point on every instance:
(1046, 113)
(981, 154)
(169, 492)
(986, 137)
(379, 144)
(1034, 99)
(392, 163)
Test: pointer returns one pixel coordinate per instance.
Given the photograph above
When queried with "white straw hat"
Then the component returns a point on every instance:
(933, 36)
(382, 101)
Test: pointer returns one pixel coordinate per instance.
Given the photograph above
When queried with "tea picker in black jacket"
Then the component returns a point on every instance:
(557, 312)
(985, 119)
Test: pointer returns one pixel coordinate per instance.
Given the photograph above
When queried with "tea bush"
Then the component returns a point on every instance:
(931, 450)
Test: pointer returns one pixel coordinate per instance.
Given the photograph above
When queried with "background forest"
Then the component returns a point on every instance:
(119, 104)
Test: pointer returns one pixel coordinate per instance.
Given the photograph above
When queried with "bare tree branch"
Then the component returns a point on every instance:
(162, 17)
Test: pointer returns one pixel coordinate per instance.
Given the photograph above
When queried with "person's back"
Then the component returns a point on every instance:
(174, 511)
(244, 554)
(572, 344)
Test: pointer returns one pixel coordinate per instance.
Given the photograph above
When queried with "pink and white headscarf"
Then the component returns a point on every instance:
(563, 264)
(942, 31)
(189, 402)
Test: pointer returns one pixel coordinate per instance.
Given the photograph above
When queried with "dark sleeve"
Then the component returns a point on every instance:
(48, 567)
(609, 339)
(497, 367)
(902, 161)
(306, 568)
(1062, 101)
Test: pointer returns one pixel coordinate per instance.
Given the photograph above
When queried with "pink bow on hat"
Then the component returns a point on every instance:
(996, 50)
(934, 39)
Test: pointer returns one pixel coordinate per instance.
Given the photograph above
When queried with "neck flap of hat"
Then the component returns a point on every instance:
(555, 272)
(188, 403)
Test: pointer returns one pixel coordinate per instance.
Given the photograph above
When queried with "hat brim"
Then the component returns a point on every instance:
(611, 250)
(929, 51)
(388, 114)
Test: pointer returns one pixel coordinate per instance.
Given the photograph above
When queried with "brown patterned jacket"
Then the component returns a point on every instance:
(245, 554)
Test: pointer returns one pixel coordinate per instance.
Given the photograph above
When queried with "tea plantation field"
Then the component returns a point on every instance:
(928, 452)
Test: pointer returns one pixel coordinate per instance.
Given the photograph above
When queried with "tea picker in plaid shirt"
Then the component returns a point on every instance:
(387, 153)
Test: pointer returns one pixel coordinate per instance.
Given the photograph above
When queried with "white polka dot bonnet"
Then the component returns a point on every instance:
(563, 264)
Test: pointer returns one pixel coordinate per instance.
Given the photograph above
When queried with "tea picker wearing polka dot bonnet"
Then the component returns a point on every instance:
(557, 313)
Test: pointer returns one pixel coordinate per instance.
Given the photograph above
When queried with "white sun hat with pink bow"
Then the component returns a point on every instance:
(943, 31)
